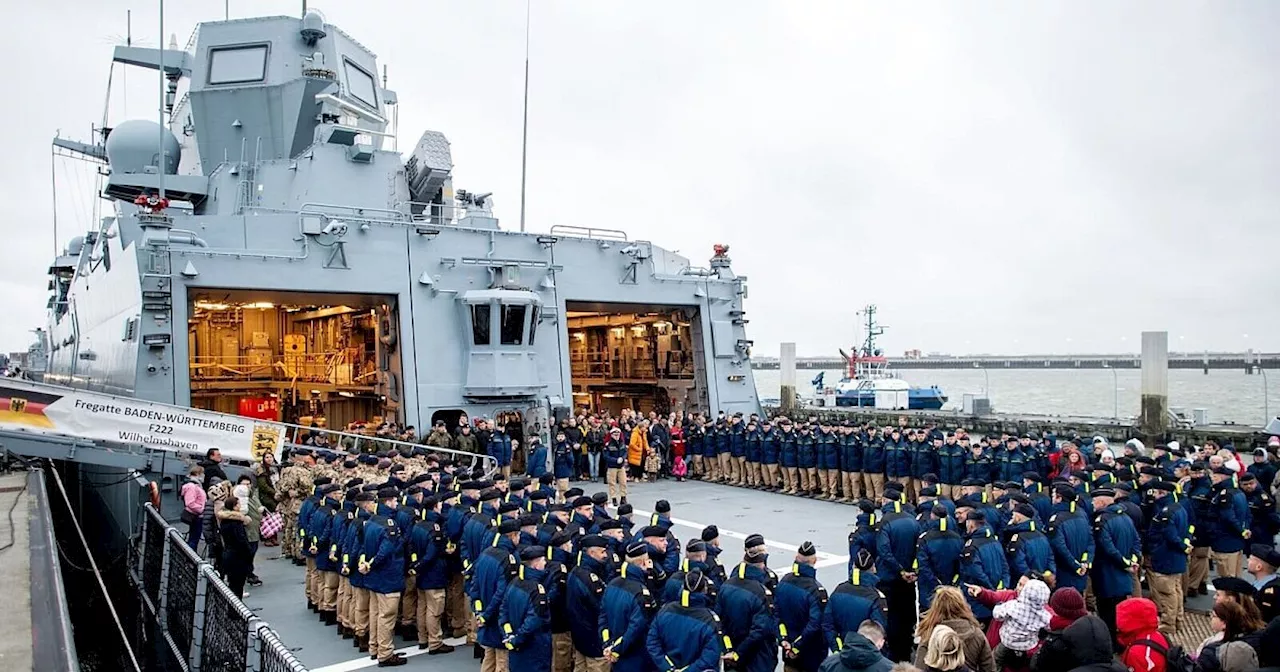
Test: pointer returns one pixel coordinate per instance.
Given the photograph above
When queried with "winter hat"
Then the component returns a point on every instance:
(945, 650)
(1237, 656)
(1067, 603)
(1035, 592)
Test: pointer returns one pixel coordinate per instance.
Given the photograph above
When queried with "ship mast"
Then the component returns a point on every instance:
(524, 137)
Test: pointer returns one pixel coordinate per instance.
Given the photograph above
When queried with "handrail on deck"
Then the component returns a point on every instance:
(589, 232)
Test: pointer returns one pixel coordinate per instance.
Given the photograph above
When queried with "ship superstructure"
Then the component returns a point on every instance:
(269, 248)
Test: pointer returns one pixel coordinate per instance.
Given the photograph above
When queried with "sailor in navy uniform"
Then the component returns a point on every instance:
(853, 602)
(685, 635)
(800, 601)
(625, 612)
(525, 615)
(745, 604)
(1264, 562)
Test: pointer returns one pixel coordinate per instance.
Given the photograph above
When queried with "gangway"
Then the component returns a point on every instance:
(65, 423)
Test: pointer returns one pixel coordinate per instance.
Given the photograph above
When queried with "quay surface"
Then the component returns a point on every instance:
(1246, 361)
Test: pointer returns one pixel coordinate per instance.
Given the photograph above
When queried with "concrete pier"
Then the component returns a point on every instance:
(787, 365)
(1153, 419)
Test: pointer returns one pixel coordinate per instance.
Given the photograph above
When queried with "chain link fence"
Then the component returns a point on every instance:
(200, 622)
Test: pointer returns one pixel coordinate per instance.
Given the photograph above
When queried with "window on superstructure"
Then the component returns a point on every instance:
(360, 85)
(238, 65)
(513, 325)
(533, 325)
(480, 324)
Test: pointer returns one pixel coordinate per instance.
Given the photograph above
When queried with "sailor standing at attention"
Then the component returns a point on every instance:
(382, 564)
(685, 635)
(489, 577)
(525, 615)
(746, 606)
(800, 601)
(625, 612)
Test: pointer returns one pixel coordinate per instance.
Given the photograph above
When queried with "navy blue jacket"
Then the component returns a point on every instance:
(874, 457)
(1041, 500)
(851, 603)
(1118, 549)
(923, 459)
(1071, 537)
(1197, 495)
(1028, 549)
(353, 546)
(895, 541)
(799, 601)
(625, 612)
(746, 612)
(1010, 464)
(320, 534)
(489, 578)
(806, 450)
(982, 563)
(937, 559)
(426, 553)
(863, 536)
(526, 621)
(478, 534)
(850, 453)
(897, 459)
(738, 440)
(787, 455)
(754, 440)
(615, 454)
(537, 465)
(1168, 537)
(1264, 522)
(951, 463)
(828, 450)
(769, 447)
(685, 635)
(979, 466)
(584, 589)
(384, 551)
(723, 440)
(675, 581)
(564, 458)
(499, 448)
(1228, 518)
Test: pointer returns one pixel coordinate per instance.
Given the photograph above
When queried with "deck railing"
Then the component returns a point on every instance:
(204, 625)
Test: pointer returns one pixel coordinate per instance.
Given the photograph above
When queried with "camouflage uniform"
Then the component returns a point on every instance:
(293, 487)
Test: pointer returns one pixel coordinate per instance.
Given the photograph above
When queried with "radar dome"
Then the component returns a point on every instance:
(134, 145)
(312, 27)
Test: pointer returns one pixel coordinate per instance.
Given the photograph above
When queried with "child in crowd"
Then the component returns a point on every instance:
(1021, 621)
(652, 463)
(679, 469)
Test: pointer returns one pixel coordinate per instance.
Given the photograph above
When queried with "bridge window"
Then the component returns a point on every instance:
(480, 324)
(533, 325)
(513, 324)
(237, 65)
(360, 84)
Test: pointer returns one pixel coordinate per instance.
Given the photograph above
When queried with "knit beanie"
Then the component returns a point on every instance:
(945, 649)
(1067, 603)
(1237, 656)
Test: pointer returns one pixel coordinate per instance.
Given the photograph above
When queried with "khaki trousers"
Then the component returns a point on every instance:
(952, 491)
(562, 484)
(328, 591)
(713, 468)
(495, 660)
(874, 487)
(344, 601)
(382, 624)
(803, 486)
(582, 663)
(771, 475)
(311, 582)
(791, 476)
(409, 600)
(695, 467)
(430, 611)
(617, 478)
(1197, 569)
(814, 483)
(726, 466)
(561, 652)
(739, 470)
(360, 610)
(459, 613)
(1166, 592)
(851, 485)
(1228, 564)
(833, 483)
(753, 473)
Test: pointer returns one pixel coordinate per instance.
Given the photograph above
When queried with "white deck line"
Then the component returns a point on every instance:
(365, 661)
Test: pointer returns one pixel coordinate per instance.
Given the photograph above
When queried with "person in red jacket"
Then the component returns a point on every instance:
(1137, 623)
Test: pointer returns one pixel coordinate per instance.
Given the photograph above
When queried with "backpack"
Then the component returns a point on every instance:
(1175, 658)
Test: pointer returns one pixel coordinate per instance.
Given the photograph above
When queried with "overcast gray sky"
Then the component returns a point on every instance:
(997, 177)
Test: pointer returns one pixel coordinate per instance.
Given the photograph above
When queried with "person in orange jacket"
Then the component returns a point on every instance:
(637, 448)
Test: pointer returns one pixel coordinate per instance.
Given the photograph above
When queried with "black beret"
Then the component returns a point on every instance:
(753, 540)
(328, 488)
(638, 550)
(489, 494)
(395, 468)
(371, 487)
(593, 541)
(1123, 485)
(1025, 510)
(1248, 477)
(1151, 471)
(1103, 492)
(527, 520)
(653, 531)
(866, 506)
(508, 526)
(560, 539)
(1233, 584)
(469, 485)
(695, 546)
(970, 482)
(367, 459)
(547, 479)
(1102, 467)
(610, 524)
(519, 484)
(929, 491)
(350, 464)
(1224, 471)
(413, 490)
(1065, 491)
(539, 496)
(301, 452)
(1020, 497)
(663, 506)
(1167, 486)
(1199, 465)
(352, 494)
(600, 498)
(353, 483)
(557, 507)
(807, 549)
(1265, 553)
(581, 501)
(382, 454)
(421, 478)
(529, 553)
(387, 493)
(508, 507)
(625, 509)
(321, 480)
(710, 532)
(977, 515)
(571, 493)
(365, 496)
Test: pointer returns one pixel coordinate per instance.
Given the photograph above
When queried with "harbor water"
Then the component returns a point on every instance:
(1228, 396)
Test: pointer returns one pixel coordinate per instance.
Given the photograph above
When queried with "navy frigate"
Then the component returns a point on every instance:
(271, 264)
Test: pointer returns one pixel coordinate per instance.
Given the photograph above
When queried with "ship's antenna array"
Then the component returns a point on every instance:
(524, 137)
(160, 167)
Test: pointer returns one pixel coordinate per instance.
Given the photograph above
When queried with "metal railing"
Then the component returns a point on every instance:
(203, 624)
(335, 368)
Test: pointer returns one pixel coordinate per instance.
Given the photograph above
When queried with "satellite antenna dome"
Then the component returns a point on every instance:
(312, 27)
(134, 147)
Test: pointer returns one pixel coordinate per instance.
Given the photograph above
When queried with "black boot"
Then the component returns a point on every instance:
(477, 652)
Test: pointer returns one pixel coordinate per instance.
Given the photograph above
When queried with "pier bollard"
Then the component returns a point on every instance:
(1153, 420)
(787, 370)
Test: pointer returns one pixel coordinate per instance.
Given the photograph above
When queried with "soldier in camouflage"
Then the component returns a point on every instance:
(293, 487)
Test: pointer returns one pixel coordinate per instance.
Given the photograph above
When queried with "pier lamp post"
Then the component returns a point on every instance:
(1266, 410)
(1115, 387)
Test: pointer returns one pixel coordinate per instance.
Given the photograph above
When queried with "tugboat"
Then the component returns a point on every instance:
(869, 382)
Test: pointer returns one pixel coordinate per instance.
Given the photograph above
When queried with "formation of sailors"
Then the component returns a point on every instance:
(540, 576)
